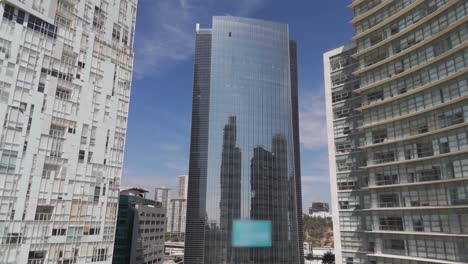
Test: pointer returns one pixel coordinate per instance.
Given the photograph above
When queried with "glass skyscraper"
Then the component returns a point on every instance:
(397, 110)
(244, 156)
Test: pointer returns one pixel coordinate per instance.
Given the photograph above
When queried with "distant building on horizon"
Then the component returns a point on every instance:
(176, 218)
(161, 194)
(397, 118)
(140, 229)
(319, 209)
(244, 150)
(183, 187)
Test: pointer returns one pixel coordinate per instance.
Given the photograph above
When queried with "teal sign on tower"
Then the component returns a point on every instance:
(251, 233)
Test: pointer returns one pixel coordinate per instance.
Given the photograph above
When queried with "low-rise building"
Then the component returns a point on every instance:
(140, 229)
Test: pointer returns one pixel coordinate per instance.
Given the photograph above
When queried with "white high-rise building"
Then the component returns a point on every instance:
(177, 210)
(397, 117)
(183, 186)
(161, 194)
(65, 75)
(176, 215)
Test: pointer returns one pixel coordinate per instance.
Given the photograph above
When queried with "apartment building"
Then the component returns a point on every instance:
(65, 75)
(176, 217)
(161, 194)
(183, 186)
(397, 113)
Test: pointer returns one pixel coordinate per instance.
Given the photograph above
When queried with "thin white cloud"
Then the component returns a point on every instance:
(311, 179)
(166, 29)
(179, 165)
(312, 120)
(171, 147)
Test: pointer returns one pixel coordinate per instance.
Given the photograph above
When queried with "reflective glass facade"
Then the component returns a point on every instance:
(397, 108)
(244, 157)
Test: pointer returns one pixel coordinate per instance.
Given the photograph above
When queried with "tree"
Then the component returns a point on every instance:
(328, 258)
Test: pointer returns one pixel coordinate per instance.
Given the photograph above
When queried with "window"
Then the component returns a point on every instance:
(99, 18)
(394, 28)
(41, 26)
(8, 161)
(418, 225)
(8, 12)
(389, 200)
(13, 238)
(384, 157)
(72, 128)
(90, 156)
(340, 96)
(94, 231)
(59, 231)
(43, 212)
(97, 192)
(429, 174)
(423, 129)
(442, 46)
(456, 118)
(424, 149)
(99, 254)
(391, 223)
(375, 96)
(379, 136)
(116, 32)
(50, 171)
(344, 204)
(63, 93)
(81, 155)
(397, 244)
(20, 17)
(444, 146)
(386, 179)
(377, 37)
(342, 112)
(4, 88)
(399, 67)
(41, 87)
(402, 88)
(343, 147)
(125, 37)
(36, 256)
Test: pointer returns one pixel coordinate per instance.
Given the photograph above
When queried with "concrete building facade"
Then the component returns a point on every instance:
(183, 187)
(397, 111)
(161, 194)
(65, 79)
(141, 225)
(176, 216)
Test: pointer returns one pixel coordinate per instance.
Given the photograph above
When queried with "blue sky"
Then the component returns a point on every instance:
(160, 110)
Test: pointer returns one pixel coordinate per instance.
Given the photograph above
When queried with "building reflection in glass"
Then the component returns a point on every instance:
(269, 177)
